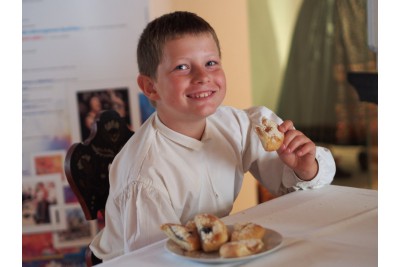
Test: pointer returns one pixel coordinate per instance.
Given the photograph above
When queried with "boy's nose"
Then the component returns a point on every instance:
(201, 76)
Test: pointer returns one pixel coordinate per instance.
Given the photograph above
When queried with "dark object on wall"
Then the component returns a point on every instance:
(366, 85)
(87, 165)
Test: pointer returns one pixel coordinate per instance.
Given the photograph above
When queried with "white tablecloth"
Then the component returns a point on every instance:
(330, 226)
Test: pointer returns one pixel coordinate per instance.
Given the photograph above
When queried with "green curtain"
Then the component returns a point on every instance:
(308, 90)
(329, 40)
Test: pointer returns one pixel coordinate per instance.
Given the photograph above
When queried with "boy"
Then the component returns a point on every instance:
(190, 156)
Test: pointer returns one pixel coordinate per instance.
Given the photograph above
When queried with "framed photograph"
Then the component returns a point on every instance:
(39, 195)
(92, 102)
(49, 162)
(78, 231)
(89, 98)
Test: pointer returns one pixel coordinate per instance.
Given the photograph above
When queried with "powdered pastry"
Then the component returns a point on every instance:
(270, 137)
(184, 236)
(247, 230)
(241, 248)
(213, 232)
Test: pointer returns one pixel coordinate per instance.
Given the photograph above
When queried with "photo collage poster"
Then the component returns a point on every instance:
(73, 66)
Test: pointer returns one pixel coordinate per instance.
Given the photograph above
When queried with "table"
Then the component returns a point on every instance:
(329, 226)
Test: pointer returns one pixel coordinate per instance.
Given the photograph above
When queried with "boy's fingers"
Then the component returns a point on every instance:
(285, 126)
(295, 141)
(305, 149)
(289, 136)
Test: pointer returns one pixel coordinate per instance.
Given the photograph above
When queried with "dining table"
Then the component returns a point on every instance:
(328, 226)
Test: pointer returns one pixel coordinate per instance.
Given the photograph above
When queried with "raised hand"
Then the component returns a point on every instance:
(298, 152)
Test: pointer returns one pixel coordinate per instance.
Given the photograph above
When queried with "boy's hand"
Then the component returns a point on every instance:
(298, 152)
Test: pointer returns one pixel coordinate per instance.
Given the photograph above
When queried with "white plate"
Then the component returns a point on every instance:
(272, 240)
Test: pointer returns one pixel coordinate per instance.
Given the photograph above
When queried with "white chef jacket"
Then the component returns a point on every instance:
(161, 176)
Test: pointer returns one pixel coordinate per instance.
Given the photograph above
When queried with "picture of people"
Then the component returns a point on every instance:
(90, 103)
(38, 195)
(78, 230)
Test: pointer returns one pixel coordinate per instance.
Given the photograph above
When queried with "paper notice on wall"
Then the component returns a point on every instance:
(69, 47)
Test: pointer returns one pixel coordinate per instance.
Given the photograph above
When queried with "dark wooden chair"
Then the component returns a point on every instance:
(87, 166)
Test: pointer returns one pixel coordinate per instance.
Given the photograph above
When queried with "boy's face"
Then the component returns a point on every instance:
(190, 82)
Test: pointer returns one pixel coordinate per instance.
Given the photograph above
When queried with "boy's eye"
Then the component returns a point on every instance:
(211, 63)
(182, 67)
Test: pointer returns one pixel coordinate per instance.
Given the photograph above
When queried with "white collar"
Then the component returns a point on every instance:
(179, 138)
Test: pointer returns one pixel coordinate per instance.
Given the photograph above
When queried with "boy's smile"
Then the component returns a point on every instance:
(201, 95)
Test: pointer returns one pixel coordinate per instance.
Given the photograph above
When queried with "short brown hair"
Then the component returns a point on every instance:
(165, 28)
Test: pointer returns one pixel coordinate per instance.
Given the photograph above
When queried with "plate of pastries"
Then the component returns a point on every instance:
(208, 239)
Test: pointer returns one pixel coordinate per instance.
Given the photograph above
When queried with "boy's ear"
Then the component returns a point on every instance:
(146, 84)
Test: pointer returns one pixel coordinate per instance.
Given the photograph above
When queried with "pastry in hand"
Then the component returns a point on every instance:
(270, 137)
(241, 248)
(247, 230)
(213, 232)
(185, 237)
